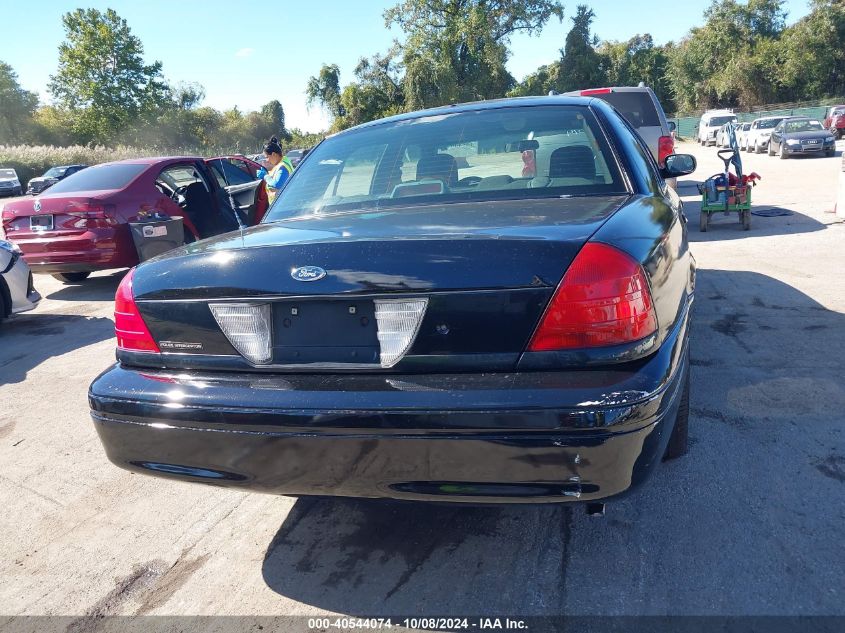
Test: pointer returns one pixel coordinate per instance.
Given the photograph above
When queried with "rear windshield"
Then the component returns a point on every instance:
(719, 121)
(506, 153)
(55, 172)
(99, 178)
(766, 124)
(637, 107)
(8, 173)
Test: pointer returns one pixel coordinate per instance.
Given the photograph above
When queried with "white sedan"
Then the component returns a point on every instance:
(17, 293)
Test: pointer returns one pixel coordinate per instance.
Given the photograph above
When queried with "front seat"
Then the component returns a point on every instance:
(573, 161)
(442, 167)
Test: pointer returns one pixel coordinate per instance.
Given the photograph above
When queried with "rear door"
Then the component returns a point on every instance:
(639, 109)
(235, 177)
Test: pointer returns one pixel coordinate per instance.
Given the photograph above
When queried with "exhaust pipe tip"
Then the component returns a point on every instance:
(595, 509)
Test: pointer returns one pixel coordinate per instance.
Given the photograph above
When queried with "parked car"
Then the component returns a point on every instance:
(710, 123)
(51, 177)
(17, 292)
(834, 120)
(401, 326)
(10, 184)
(296, 155)
(801, 135)
(641, 108)
(742, 130)
(81, 224)
(757, 140)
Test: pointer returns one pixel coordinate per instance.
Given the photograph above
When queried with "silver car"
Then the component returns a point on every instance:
(640, 107)
(17, 293)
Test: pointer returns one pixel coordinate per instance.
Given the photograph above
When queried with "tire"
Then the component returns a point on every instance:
(71, 278)
(771, 150)
(782, 154)
(830, 153)
(746, 220)
(679, 440)
(703, 219)
(2, 305)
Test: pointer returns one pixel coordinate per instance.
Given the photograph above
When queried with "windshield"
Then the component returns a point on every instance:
(803, 126)
(637, 107)
(8, 173)
(99, 178)
(55, 172)
(718, 121)
(506, 153)
(767, 124)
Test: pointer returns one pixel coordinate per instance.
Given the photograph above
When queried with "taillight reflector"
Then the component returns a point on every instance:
(595, 91)
(665, 147)
(602, 300)
(129, 327)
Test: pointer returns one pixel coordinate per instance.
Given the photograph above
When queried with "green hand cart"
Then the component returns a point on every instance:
(719, 196)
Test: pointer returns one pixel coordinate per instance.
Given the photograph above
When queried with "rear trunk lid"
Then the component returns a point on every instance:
(484, 271)
(55, 215)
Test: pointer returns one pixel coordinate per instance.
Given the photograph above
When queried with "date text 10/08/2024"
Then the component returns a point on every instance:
(433, 624)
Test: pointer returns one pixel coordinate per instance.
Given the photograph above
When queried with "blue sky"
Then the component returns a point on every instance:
(246, 54)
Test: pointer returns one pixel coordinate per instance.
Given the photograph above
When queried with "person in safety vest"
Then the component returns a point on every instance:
(280, 169)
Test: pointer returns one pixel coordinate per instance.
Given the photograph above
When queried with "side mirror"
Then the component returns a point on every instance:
(678, 165)
(672, 126)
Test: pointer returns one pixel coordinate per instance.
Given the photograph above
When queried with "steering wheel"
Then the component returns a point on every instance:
(469, 181)
(179, 194)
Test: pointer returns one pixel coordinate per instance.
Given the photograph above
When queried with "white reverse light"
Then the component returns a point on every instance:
(248, 327)
(398, 321)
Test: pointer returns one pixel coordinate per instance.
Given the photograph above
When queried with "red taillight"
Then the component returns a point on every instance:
(129, 327)
(602, 300)
(665, 147)
(595, 91)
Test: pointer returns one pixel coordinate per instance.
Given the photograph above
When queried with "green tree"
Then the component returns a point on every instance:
(16, 108)
(456, 50)
(540, 82)
(324, 90)
(638, 60)
(376, 92)
(102, 78)
(580, 64)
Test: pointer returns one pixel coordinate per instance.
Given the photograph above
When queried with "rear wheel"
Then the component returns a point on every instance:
(71, 278)
(771, 150)
(702, 221)
(679, 440)
(746, 220)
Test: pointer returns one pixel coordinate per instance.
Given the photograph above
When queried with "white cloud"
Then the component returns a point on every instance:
(245, 52)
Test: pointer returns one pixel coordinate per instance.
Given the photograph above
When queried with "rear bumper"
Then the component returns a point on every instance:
(18, 282)
(97, 249)
(525, 437)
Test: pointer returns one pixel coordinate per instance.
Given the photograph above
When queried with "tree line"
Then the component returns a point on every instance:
(744, 54)
(104, 94)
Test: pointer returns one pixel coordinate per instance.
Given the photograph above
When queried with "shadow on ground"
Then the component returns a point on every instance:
(100, 288)
(29, 339)
(742, 525)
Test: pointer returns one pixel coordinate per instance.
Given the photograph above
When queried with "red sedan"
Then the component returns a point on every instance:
(81, 224)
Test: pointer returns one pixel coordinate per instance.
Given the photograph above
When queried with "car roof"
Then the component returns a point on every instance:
(154, 160)
(491, 104)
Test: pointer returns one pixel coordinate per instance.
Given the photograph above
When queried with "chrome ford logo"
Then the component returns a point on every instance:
(36, 205)
(308, 273)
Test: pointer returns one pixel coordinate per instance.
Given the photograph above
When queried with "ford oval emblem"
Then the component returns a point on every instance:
(308, 273)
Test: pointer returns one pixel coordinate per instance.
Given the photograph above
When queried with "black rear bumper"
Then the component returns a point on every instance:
(485, 438)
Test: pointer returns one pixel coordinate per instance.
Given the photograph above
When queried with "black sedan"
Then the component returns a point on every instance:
(801, 135)
(479, 303)
(51, 177)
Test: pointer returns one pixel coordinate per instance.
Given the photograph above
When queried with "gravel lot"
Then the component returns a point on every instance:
(750, 522)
